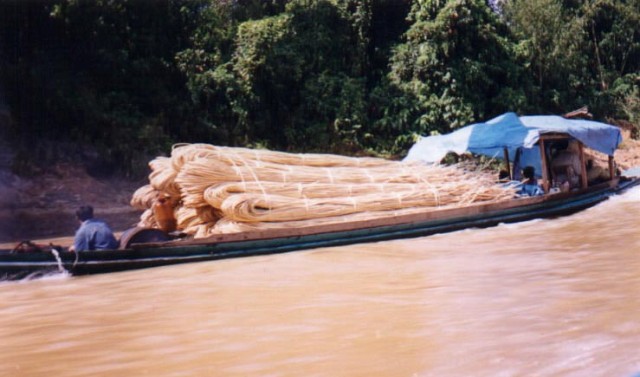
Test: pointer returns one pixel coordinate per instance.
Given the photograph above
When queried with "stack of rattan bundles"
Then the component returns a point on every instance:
(223, 189)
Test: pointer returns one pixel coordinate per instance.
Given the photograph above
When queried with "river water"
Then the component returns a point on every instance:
(557, 297)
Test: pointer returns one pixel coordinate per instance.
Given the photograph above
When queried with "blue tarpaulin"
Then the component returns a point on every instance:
(512, 132)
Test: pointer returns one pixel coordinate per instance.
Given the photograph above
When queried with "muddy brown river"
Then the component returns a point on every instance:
(556, 297)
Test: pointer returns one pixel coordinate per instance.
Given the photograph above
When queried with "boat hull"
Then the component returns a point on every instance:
(139, 256)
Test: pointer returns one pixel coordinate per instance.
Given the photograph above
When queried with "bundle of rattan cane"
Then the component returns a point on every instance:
(162, 177)
(226, 225)
(269, 189)
(183, 153)
(201, 173)
(256, 208)
(144, 197)
(147, 220)
(215, 194)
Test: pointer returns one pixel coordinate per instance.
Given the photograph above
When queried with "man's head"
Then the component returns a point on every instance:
(528, 172)
(84, 213)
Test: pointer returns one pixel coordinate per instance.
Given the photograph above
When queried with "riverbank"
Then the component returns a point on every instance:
(628, 154)
(43, 207)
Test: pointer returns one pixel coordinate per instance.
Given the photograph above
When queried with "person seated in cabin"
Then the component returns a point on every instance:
(573, 179)
(93, 234)
(566, 165)
(595, 173)
(565, 178)
(530, 185)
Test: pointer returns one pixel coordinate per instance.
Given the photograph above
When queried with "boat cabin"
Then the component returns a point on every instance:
(560, 163)
(554, 146)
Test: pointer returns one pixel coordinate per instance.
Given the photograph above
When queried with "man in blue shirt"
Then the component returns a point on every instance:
(93, 234)
(530, 185)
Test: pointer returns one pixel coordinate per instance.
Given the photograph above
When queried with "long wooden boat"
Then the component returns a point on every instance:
(16, 265)
(524, 137)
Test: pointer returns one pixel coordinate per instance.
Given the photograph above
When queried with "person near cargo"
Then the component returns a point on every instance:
(93, 234)
(567, 168)
(530, 185)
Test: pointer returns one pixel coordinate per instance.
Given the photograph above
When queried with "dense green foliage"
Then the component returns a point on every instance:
(456, 66)
(123, 80)
(583, 53)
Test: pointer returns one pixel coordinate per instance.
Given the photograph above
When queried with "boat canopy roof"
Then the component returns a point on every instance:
(512, 132)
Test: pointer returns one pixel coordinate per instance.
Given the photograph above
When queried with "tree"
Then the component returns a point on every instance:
(210, 78)
(551, 40)
(292, 80)
(613, 28)
(613, 51)
(579, 52)
(457, 65)
(101, 75)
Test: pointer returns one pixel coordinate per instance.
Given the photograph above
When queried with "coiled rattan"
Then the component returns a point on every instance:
(224, 189)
